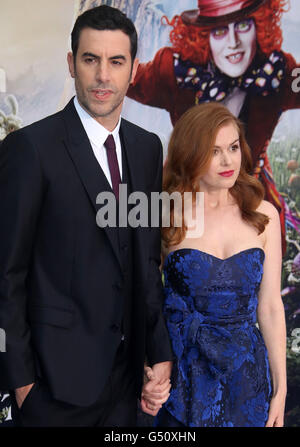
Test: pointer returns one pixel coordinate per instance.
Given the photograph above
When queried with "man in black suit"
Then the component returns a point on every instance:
(81, 305)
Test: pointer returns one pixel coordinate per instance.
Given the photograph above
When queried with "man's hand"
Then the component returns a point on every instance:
(162, 371)
(156, 390)
(21, 394)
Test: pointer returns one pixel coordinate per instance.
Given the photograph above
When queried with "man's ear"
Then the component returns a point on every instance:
(134, 69)
(70, 59)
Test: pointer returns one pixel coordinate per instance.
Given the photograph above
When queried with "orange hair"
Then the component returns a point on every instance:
(189, 156)
(192, 42)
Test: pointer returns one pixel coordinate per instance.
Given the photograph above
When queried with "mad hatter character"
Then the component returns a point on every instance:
(227, 51)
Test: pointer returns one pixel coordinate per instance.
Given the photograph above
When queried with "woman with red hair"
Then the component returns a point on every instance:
(227, 51)
(219, 280)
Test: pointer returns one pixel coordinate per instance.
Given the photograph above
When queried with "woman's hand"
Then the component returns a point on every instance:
(276, 412)
(156, 389)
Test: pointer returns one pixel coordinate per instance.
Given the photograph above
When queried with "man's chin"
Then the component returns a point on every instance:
(98, 112)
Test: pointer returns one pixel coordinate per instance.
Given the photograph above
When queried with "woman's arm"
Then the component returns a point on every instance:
(271, 317)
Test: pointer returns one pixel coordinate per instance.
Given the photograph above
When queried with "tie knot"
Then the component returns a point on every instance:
(110, 142)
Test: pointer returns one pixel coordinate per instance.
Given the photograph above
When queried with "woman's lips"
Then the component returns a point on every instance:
(226, 173)
(235, 58)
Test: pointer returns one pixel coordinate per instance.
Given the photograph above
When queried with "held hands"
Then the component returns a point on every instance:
(156, 389)
(21, 394)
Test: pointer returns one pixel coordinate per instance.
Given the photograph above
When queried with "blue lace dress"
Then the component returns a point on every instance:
(221, 373)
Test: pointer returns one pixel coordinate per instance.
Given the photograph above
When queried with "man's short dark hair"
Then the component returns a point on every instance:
(104, 18)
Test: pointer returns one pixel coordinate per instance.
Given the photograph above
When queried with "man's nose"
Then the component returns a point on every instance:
(233, 37)
(103, 73)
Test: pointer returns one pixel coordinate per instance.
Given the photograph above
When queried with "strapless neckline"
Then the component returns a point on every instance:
(213, 256)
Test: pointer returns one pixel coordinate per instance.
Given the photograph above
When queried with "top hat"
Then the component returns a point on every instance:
(216, 12)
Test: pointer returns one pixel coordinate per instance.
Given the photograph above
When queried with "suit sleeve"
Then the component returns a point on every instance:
(158, 345)
(21, 200)
(155, 81)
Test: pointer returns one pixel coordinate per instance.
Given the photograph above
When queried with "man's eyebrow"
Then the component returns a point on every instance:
(238, 139)
(88, 54)
(117, 56)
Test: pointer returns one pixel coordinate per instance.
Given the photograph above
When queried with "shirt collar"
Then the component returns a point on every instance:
(96, 133)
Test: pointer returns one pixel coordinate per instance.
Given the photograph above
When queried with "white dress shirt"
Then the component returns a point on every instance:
(97, 135)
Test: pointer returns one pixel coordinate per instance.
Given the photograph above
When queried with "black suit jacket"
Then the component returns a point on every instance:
(61, 276)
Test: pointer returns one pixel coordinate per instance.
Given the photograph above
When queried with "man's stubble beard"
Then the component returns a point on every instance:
(85, 103)
(92, 111)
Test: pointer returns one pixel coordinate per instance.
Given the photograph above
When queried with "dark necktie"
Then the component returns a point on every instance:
(113, 164)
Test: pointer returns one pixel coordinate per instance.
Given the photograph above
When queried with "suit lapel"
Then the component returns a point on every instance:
(133, 146)
(88, 168)
(130, 143)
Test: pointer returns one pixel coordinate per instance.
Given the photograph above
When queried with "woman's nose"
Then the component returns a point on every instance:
(226, 159)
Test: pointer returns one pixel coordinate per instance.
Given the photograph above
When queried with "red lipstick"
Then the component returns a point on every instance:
(226, 173)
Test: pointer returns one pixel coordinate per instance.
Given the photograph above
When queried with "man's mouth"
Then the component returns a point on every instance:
(101, 93)
(235, 58)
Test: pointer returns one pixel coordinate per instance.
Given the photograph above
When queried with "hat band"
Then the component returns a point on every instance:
(208, 15)
(219, 8)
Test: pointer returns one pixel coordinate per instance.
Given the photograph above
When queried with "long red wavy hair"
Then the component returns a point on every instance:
(190, 152)
(192, 42)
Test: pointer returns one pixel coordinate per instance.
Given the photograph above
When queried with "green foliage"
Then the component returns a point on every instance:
(281, 152)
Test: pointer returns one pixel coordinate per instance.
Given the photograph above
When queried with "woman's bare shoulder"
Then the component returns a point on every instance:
(268, 209)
